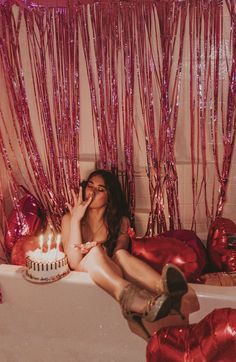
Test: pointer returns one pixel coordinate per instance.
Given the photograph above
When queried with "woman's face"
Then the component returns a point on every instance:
(96, 187)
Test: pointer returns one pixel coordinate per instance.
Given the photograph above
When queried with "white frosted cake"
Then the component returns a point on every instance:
(46, 267)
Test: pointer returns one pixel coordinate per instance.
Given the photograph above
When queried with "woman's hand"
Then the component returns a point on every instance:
(79, 207)
(86, 247)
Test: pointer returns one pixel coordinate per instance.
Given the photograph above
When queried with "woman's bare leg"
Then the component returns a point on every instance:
(108, 275)
(138, 272)
(103, 271)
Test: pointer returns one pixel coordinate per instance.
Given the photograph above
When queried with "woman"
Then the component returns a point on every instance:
(96, 240)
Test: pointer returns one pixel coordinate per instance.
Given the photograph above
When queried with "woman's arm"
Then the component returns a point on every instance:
(123, 237)
(71, 236)
(71, 229)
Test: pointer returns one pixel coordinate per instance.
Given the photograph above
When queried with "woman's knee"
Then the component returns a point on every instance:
(95, 253)
(92, 258)
(121, 255)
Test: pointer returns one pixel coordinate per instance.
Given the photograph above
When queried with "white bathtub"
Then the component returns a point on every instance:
(73, 320)
(212, 297)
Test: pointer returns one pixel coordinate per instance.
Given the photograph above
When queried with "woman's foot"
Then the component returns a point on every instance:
(175, 285)
(140, 302)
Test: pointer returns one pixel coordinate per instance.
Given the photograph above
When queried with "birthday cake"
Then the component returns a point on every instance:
(46, 267)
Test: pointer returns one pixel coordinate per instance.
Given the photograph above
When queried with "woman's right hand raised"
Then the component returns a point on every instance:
(78, 207)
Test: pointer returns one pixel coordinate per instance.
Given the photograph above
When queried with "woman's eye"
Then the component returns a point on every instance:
(100, 189)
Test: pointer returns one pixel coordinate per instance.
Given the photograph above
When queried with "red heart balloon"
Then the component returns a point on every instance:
(193, 241)
(221, 244)
(212, 339)
(21, 247)
(28, 219)
(159, 250)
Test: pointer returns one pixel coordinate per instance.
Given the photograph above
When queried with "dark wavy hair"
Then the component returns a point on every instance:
(116, 208)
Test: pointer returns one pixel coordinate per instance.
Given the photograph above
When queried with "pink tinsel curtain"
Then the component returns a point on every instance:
(142, 58)
(212, 100)
(164, 25)
(111, 83)
(48, 145)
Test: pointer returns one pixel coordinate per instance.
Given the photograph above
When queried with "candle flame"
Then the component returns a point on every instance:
(49, 241)
(41, 241)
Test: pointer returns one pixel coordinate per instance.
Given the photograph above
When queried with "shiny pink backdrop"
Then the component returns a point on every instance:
(138, 48)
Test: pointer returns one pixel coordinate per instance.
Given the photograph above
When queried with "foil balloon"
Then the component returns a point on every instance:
(159, 250)
(212, 339)
(190, 238)
(27, 219)
(221, 245)
(21, 247)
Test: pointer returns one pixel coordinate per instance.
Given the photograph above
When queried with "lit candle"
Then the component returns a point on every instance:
(49, 241)
(58, 241)
(41, 241)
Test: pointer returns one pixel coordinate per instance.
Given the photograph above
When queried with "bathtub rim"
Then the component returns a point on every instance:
(210, 291)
